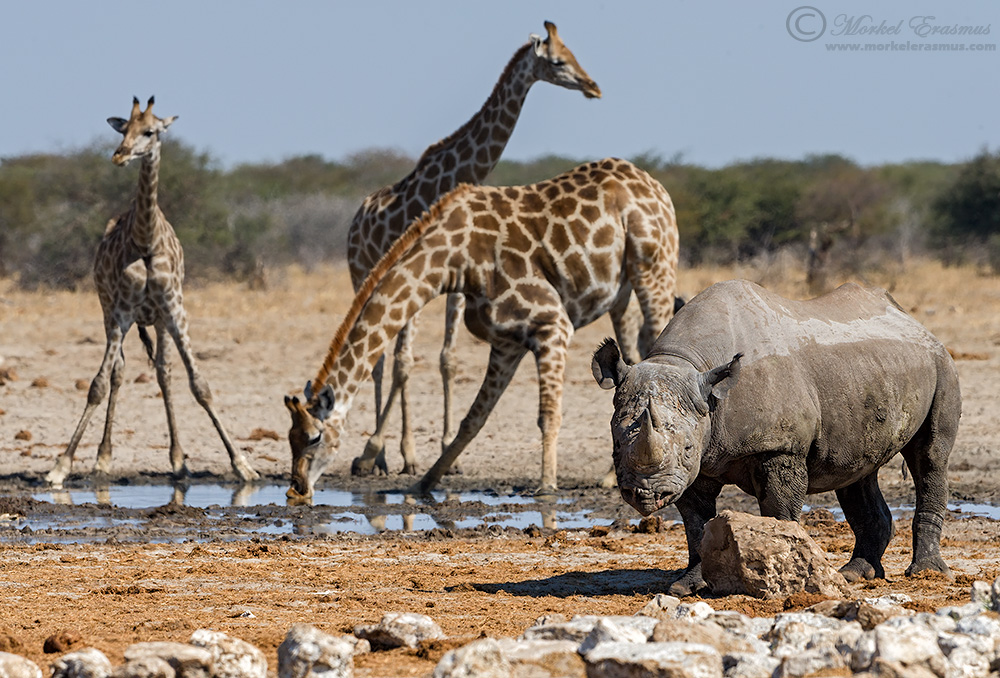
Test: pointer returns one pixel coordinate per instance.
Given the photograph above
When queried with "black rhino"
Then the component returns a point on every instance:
(786, 398)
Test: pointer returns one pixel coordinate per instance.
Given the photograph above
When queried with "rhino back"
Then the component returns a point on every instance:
(845, 379)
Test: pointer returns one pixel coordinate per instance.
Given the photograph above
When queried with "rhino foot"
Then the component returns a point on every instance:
(690, 583)
(858, 569)
(934, 563)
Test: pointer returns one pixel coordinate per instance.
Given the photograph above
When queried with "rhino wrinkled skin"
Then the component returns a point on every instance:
(783, 399)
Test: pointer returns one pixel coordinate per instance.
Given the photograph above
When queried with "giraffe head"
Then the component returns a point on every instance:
(556, 64)
(314, 438)
(141, 131)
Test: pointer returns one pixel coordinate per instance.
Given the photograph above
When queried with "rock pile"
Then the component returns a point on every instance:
(872, 637)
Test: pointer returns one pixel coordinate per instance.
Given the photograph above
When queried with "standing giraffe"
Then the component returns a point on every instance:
(533, 263)
(467, 156)
(138, 273)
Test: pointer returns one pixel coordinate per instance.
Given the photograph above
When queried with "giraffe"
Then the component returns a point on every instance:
(138, 272)
(467, 156)
(533, 263)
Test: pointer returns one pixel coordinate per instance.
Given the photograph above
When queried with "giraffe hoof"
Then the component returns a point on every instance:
(361, 466)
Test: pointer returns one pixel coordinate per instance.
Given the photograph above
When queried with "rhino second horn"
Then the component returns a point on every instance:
(650, 445)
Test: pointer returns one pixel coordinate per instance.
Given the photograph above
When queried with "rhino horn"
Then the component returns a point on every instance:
(650, 445)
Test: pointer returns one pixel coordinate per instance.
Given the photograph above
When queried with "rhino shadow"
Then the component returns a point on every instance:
(604, 583)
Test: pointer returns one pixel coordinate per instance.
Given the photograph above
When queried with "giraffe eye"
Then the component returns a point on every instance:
(148, 133)
(315, 439)
(558, 62)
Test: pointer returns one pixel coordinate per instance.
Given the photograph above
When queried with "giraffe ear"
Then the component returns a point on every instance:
(538, 44)
(167, 122)
(323, 403)
(118, 124)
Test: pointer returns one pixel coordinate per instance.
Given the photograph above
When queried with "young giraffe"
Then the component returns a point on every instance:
(467, 156)
(138, 273)
(533, 263)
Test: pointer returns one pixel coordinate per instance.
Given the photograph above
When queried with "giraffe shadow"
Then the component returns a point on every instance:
(605, 583)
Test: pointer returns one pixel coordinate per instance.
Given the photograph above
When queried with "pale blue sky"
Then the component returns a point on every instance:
(716, 81)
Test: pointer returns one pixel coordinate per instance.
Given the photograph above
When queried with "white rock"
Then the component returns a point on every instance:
(995, 594)
(661, 604)
(400, 629)
(232, 657)
(543, 658)
(606, 631)
(795, 632)
(479, 659)
(308, 652)
(699, 610)
(679, 660)
(86, 663)
(749, 665)
(578, 628)
(811, 661)
(966, 658)
(16, 666)
(981, 593)
(149, 666)
(187, 661)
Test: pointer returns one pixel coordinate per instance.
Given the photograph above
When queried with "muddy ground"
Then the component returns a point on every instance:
(159, 573)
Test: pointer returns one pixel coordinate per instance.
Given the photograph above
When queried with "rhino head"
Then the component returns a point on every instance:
(661, 423)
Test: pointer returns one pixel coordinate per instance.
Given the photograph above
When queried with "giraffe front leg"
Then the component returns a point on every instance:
(502, 366)
(449, 360)
(373, 455)
(402, 364)
(162, 363)
(177, 327)
(550, 357)
(103, 465)
(98, 389)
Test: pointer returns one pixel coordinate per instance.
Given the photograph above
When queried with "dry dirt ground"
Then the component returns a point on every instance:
(256, 346)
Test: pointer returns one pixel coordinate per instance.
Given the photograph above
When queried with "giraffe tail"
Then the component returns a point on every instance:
(147, 341)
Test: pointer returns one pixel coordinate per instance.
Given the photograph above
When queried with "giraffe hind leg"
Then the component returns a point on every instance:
(177, 327)
(103, 465)
(162, 363)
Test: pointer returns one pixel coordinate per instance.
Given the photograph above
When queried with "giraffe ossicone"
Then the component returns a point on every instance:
(138, 272)
(533, 263)
(466, 156)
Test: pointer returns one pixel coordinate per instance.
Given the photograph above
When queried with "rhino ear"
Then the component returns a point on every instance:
(715, 383)
(608, 367)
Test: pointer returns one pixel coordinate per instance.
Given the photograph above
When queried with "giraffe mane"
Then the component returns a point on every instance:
(493, 97)
(400, 247)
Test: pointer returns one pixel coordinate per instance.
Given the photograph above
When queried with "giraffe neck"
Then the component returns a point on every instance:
(471, 152)
(403, 281)
(146, 206)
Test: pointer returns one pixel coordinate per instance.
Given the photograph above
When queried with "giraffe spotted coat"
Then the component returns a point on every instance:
(533, 263)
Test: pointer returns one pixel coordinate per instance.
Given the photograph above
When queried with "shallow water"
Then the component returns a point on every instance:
(200, 512)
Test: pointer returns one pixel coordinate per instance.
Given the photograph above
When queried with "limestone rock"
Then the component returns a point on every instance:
(400, 629)
(579, 627)
(187, 661)
(606, 631)
(232, 657)
(543, 658)
(662, 606)
(479, 659)
(86, 663)
(16, 666)
(628, 660)
(148, 666)
(749, 665)
(764, 558)
(705, 632)
(307, 652)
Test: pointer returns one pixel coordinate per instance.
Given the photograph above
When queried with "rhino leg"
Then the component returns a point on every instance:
(870, 519)
(926, 456)
(697, 507)
(780, 485)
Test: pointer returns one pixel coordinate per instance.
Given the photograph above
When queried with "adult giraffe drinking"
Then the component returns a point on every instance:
(533, 263)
